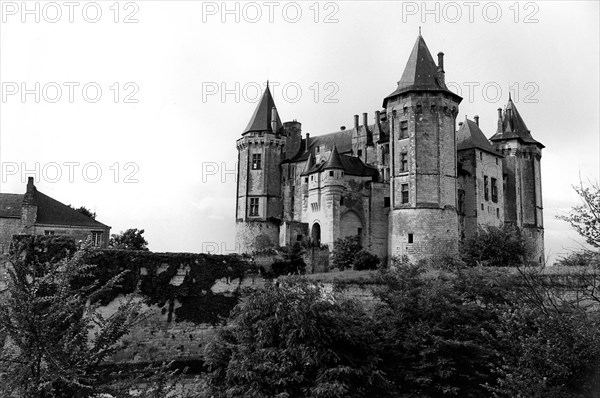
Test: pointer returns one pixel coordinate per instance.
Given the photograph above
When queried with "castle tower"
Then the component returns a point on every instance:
(259, 193)
(422, 116)
(522, 177)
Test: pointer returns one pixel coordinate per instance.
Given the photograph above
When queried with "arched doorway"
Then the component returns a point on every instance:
(351, 225)
(315, 234)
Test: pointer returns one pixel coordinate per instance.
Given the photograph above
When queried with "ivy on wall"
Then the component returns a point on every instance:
(153, 273)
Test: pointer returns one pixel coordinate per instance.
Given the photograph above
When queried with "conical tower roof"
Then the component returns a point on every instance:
(469, 135)
(334, 161)
(310, 163)
(420, 73)
(512, 126)
(261, 119)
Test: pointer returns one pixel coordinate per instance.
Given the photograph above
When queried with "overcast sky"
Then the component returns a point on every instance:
(154, 94)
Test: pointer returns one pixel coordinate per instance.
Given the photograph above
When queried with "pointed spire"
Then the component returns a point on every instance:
(310, 163)
(264, 113)
(421, 73)
(334, 161)
(512, 126)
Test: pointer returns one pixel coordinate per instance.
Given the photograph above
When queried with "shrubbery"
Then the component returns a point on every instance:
(348, 253)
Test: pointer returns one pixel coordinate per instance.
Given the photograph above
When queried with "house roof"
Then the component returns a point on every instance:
(469, 136)
(49, 211)
(511, 126)
(420, 73)
(261, 119)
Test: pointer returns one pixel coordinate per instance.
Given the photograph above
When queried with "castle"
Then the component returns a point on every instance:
(409, 184)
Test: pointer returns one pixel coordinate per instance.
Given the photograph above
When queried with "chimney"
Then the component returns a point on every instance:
(274, 120)
(356, 122)
(365, 120)
(441, 72)
(29, 208)
(476, 117)
(499, 113)
(306, 145)
(377, 117)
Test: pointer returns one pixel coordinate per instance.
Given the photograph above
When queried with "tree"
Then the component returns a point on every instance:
(585, 218)
(349, 253)
(292, 339)
(496, 247)
(131, 239)
(85, 211)
(56, 340)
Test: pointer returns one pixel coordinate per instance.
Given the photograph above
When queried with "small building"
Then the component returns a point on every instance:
(35, 213)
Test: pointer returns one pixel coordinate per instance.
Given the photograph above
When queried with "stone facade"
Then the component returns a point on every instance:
(408, 184)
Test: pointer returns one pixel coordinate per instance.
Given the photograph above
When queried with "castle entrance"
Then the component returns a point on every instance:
(315, 234)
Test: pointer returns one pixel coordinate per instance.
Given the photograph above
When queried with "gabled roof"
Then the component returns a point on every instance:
(420, 73)
(469, 136)
(261, 119)
(341, 139)
(351, 165)
(49, 211)
(511, 126)
(334, 161)
(10, 205)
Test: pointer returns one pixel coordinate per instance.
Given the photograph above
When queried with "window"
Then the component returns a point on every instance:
(299, 237)
(461, 201)
(419, 108)
(404, 190)
(305, 179)
(386, 201)
(96, 238)
(494, 190)
(359, 152)
(256, 161)
(341, 200)
(486, 188)
(496, 161)
(498, 213)
(48, 233)
(254, 207)
(480, 155)
(411, 238)
(482, 208)
(403, 161)
(330, 173)
(403, 129)
(318, 149)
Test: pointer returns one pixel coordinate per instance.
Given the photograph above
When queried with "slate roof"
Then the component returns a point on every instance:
(420, 73)
(469, 136)
(512, 126)
(50, 211)
(334, 161)
(261, 119)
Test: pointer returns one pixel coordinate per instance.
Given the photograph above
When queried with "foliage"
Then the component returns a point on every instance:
(294, 340)
(585, 218)
(291, 263)
(348, 253)
(363, 260)
(57, 340)
(153, 273)
(85, 211)
(131, 239)
(496, 247)
(581, 258)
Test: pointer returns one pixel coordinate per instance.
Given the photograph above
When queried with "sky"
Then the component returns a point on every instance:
(132, 108)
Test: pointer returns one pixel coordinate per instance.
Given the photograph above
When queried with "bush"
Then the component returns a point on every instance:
(496, 247)
(349, 253)
(363, 260)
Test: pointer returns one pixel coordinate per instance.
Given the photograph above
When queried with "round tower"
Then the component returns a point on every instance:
(259, 196)
(422, 116)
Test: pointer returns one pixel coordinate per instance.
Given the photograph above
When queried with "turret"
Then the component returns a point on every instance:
(259, 194)
(421, 113)
(523, 206)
